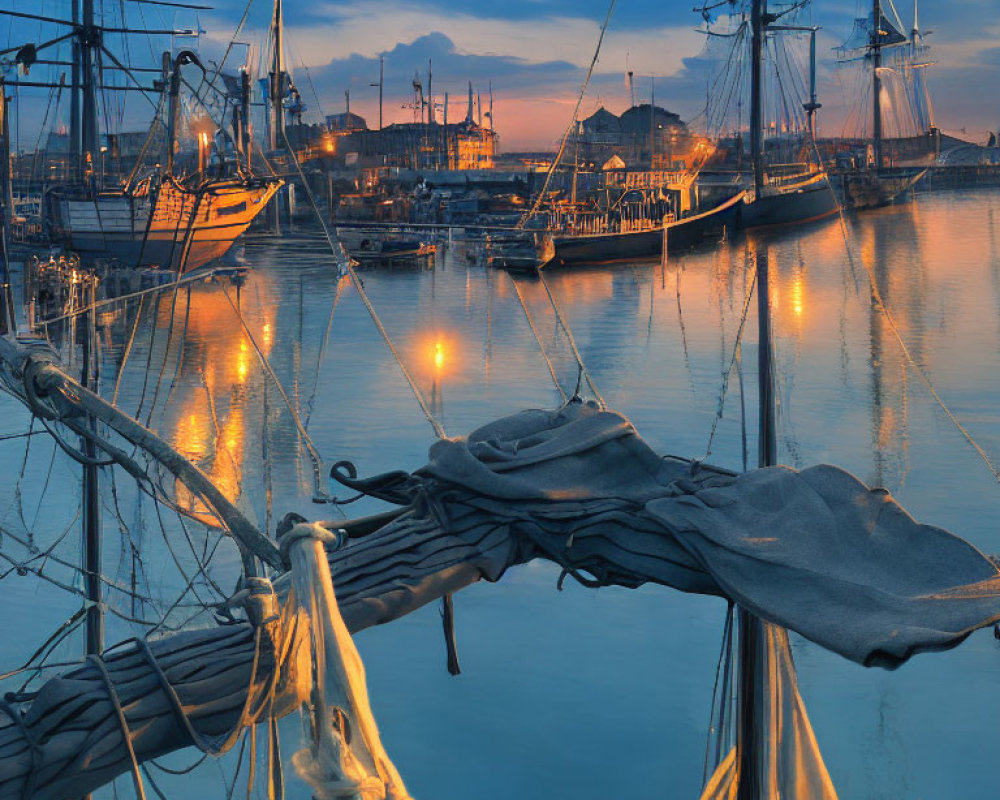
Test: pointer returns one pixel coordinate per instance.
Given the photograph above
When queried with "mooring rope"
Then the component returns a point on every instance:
(128, 350)
(322, 349)
(534, 331)
(572, 343)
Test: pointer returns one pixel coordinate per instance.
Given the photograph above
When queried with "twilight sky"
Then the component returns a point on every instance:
(535, 53)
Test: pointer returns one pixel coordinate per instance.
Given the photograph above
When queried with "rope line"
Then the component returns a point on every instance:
(924, 377)
(732, 363)
(266, 365)
(534, 331)
(190, 278)
(576, 112)
(348, 265)
(572, 343)
(877, 295)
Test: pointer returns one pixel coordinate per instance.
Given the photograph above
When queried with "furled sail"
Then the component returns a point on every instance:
(861, 35)
(815, 550)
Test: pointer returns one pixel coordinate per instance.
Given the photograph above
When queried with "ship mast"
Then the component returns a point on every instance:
(276, 124)
(876, 56)
(749, 690)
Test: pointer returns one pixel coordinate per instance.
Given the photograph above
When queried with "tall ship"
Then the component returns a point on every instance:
(171, 209)
(784, 179)
(903, 138)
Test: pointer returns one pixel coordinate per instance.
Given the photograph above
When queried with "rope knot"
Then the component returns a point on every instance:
(309, 530)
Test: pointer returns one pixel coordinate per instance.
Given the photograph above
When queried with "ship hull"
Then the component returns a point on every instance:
(169, 227)
(864, 190)
(680, 235)
(812, 200)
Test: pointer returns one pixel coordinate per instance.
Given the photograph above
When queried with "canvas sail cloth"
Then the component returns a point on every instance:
(815, 551)
(343, 757)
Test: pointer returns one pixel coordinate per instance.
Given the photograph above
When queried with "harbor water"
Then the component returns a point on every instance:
(582, 693)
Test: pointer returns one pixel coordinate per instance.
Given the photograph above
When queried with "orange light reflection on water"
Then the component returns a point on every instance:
(435, 355)
(214, 423)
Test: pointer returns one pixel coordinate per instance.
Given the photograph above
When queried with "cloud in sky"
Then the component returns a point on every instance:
(535, 53)
(536, 56)
(534, 99)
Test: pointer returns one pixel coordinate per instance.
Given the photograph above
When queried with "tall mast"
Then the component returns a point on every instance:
(381, 83)
(431, 116)
(89, 45)
(758, 24)
(74, 95)
(875, 46)
(751, 635)
(277, 121)
(812, 106)
(652, 131)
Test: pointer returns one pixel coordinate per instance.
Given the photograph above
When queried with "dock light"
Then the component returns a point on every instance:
(438, 355)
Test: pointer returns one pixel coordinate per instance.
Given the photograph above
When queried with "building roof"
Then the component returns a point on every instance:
(602, 121)
(636, 119)
(346, 122)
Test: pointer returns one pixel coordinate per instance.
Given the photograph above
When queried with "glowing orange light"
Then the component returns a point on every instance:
(438, 355)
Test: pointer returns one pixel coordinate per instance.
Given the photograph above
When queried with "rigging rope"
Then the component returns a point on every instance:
(348, 265)
(572, 343)
(732, 363)
(576, 111)
(910, 360)
(266, 365)
(534, 331)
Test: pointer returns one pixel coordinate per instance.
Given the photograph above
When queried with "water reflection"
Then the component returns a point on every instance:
(657, 339)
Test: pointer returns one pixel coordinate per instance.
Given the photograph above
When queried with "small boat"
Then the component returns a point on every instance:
(864, 189)
(374, 247)
(528, 253)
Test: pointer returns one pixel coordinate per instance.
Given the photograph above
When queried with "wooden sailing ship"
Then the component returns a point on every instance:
(799, 193)
(891, 168)
(161, 222)
(174, 218)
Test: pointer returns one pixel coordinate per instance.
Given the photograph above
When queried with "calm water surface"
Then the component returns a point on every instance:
(589, 694)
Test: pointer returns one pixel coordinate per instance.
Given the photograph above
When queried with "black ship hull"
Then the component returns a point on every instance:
(680, 235)
(806, 202)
